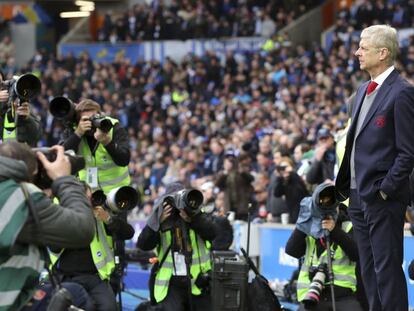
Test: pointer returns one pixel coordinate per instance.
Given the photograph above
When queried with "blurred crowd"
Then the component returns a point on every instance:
(245, 128)
(183, 19)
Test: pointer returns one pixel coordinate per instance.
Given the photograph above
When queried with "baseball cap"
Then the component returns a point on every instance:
(230, 153)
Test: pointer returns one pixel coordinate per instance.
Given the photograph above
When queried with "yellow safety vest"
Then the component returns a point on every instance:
(9, 129)
(110, 175)
(101, 251)
(343, 268)
(200, 263)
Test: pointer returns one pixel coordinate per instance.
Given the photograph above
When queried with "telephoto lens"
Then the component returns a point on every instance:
(313, 296)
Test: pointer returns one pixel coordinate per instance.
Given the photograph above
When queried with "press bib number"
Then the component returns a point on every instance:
(179, 263)
(92, 177)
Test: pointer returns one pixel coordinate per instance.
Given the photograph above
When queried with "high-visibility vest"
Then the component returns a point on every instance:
(110, 175)
(101, 250)
(9, 129)
(201, 263)
(340, 140)
(343, 268)
(20, 271)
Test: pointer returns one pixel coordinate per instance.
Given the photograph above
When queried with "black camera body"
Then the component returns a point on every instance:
(101, 122)
(61, 300)
(24, 87)
(188, 200)
(317, 276)
(42, 180)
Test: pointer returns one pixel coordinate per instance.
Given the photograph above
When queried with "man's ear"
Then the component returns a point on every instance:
(384, 54)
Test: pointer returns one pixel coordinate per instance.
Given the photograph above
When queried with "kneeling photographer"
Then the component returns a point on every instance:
(181, 234)
(92, 266)
(323, 225)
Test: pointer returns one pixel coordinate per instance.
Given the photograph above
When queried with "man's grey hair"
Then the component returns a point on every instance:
(383, 36)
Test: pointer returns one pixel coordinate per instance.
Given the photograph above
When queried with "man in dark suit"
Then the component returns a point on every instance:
(379, 156)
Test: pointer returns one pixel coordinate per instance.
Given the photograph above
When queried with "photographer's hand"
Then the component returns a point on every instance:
(4, 96)
(84, 125)
(58, 168)
(101, 214)
(23, 109)
(101, 137)
(185, 216)
(167, 210)
(328, 224)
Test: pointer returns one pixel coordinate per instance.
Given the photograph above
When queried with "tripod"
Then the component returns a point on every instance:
(330, 271)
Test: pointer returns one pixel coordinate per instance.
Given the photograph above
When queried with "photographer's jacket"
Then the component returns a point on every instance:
(111, 160)
(28, 129)
(67, 225)
(201, 231)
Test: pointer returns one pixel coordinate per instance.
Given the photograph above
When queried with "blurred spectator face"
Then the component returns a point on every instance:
(328, 141)
(216, 147)
(277, 157)
(297, 154)
(229, 163)
(220, 203)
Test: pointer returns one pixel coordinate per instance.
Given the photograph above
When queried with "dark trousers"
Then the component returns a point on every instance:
(378, 229)
(100, 291)
(343, 304)
(177, 299)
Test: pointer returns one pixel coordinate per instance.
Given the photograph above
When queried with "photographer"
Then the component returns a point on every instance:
(181, 233)
(290, 185)
(319, 219)
(28, 129)
(236, 183)
(93, 265)
(107, 154)
(31, 221)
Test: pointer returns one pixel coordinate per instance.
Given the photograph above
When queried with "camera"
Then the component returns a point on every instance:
(62, 108)
(24, 87)
(317, 275)
(188, 200)
(327, 202)
(101, 122)
(42, 180)
(61, 300)
(119, 199)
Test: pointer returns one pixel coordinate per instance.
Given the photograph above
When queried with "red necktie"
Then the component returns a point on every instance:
(371, 87)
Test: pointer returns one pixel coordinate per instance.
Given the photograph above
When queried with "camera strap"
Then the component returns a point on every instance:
(54, 281)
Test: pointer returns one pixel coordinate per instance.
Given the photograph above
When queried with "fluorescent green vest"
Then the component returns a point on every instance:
(340, 140)
(101, 251)
(343, 268)
(200, 263)
(9, 129)
(110, 175)
(20, 268)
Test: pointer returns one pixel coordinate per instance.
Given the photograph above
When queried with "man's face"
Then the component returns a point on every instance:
(368, 55)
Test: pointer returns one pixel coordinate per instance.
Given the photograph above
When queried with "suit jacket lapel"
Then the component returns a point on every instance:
(380, 98)
(359, 98)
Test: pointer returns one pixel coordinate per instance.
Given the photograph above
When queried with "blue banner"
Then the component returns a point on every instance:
(105, 52)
